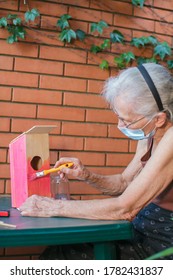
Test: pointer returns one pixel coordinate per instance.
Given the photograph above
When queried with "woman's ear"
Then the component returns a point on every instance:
(161, 119)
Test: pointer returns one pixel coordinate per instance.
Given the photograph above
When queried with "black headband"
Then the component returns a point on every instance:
(151, 86)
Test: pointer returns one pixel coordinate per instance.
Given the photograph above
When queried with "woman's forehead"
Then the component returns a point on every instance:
(123, 108)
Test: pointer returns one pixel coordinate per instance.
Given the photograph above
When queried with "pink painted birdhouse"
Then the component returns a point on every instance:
(29, 153)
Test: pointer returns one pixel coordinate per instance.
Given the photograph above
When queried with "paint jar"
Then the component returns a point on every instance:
(60, 187)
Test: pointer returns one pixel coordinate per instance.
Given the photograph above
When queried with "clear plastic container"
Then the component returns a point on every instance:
(60, 187)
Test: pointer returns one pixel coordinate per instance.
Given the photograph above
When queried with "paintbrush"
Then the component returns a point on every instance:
(48, 171)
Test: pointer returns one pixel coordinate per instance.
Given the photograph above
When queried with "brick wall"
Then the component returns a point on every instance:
(43, 82)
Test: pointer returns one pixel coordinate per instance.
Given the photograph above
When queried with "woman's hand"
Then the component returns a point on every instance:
(77, 170)
(39, 206)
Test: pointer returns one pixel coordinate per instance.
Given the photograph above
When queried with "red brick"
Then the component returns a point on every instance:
(46, 8)
(66, 143)
(2, 190)
(87, 158)
(44, 37)
(21, 125)
(87, 15)
(132, 146)
(95, 86)
(85, 71)
(6, 63)
(5, 124)
(82, 3)
(38, 66)
(22, 49)
(6, 138)
(120, 160)
(113, 131)
(82, 188)
(62, 83)
(18, 110)
(4, 171)
(63, 54)
(84, 129)
(61, 113)
(97, 59)
(152, 13)
(132, 22)
(8, 187)
(50, 23)
(10, 5)
(18, 79)
(3, 34)
(37, 96)
(5, 93)
(103, 116)
(3, 155)
(137, 51)
(106, 145)
(107, 170)
(112, 6)
(164, 28)
(167, 4)
(83, 100)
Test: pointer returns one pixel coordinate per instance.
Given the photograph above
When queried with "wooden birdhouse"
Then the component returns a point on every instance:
(29, 153)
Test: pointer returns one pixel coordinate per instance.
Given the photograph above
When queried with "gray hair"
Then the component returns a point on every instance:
(131, 86)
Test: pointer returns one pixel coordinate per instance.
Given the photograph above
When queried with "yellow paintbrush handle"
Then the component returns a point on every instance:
(68, 164)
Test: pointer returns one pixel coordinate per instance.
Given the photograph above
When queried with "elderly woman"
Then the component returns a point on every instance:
(142, 99)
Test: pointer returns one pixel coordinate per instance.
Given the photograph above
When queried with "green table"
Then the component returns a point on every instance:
(55, 231)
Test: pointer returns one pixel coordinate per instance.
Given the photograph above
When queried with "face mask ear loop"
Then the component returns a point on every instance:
(151, 86)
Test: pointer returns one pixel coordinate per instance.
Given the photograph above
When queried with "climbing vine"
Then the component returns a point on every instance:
(161, 51)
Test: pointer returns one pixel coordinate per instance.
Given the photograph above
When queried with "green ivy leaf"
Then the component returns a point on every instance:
(31, 15)
(10, 39)
(116, 37)
(124, 59)
(104, 64)
(98, 26)
(17, 21)
(162, 49)
(170, 64)
(67, 35)
(119, 61)
(20, 32)
(138, 3)
(137, 42)
(128, 57)
(17, 32)
(63, 21)
(95, 49)
(142, 41)
(105, 44)
(10, 16)
(152, 40)
(3, 22)
(80, 34)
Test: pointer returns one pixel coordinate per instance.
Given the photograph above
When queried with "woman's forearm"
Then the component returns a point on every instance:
(110, 184)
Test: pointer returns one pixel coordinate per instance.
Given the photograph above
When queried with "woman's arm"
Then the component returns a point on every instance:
(151, 181)
(108, 184)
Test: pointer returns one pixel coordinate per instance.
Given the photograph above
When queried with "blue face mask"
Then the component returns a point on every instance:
(136, 134)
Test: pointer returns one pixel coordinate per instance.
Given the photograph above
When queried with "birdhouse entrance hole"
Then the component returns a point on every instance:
(36, 163)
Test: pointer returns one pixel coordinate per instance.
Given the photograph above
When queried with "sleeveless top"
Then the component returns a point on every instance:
(165, 199)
